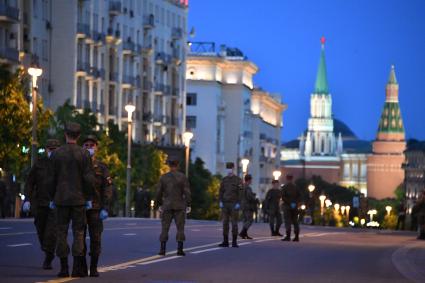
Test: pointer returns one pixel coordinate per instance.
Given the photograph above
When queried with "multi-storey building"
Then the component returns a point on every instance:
(414, 172)
(231, 119)
(103, 54)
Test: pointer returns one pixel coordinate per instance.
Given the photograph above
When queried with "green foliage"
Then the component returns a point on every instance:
(399, 193)
(389, 222)
(16, 122)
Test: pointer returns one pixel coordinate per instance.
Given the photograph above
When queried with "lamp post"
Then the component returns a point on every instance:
(388, 209)
(347, 209)
(130, 109)
(337, 206)
(277, 174)
(187, 136)
(322, 199)
(34, 71)
(244, 162)
(371, 213)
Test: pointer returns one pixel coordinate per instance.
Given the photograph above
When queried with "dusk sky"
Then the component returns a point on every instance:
(363, 39)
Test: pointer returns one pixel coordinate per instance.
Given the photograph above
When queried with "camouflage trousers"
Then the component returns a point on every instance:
(291, 218)
(95, 228)
(248, 218)
(45, 222)
(229, 213)
(179, 216)
(275, 219)
(66, 214)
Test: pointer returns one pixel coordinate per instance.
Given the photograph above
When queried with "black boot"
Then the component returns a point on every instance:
(247, 236)
(47, 264)
(234, 241)
(77, 267)
(296, 239)
(93, 266)
(64, 272)
(84, 269)
(243, 234)
(162, 249)
(273, 233)
(225, 242)
(288, 237)
(180, 251)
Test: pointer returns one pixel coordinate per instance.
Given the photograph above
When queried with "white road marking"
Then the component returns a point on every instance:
(5, 228)
(159, 260)
(244, 244)
(130, 224)
(266, 240)
(195, 230)
(129, 234)
(408, 268)
(20, 245)
(206, 250)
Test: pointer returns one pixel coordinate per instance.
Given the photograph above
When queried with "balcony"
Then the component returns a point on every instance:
(159, 88)
(98, 36)
(128, 80)
(83, 68)
(113, 35)
(8, 54)
(128, 47)
(177, 33)
(114, 8)
(147, 116)
(83, 30)
(94, 72)
(147, 48)
(149, 21)
(157, 118)
(162, 58)
(9, 14)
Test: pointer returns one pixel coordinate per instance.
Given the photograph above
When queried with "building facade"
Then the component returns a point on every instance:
(384, 166)
(414, 173)
(101, 55)
(230, 118)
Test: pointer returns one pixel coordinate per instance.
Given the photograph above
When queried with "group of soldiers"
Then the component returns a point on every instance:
(69, 185)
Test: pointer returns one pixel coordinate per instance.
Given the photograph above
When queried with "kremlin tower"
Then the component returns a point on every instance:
(384, 172)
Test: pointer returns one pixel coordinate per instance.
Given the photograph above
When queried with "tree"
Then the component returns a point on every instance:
(16, 121)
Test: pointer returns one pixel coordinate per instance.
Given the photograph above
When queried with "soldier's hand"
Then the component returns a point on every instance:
(188, 209)
(220, 204)
(237, 205)
(52, 205)
(26, 207)
(160, 209)
(89, 205)
(103, 214)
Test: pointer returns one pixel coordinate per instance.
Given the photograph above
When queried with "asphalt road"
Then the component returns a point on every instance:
(130, 246)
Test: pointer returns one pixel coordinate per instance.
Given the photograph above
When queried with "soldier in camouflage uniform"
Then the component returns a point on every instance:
(272, 200)
(418, 211)
(229, 202)
(249, 206)
(73, 191)
(38, 195)
(101, 201)
(173, 201)
(291, 198)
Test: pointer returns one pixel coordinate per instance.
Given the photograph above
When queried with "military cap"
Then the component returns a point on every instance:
(230, 165)
(248, 177)
(52, 143)
(90, 138)
(72, 128)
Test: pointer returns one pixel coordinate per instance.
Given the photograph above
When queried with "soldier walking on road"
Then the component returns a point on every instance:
(291, 197)
(73, 191)
(272, 201)
(229, 202)
(38, 195)
(101, 202)
(249, 205)
(173, 200)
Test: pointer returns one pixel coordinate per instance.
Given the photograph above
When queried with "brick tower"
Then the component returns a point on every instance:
(384, 172)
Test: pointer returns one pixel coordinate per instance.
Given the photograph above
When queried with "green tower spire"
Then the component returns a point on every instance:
(392, 79)
(321, 86)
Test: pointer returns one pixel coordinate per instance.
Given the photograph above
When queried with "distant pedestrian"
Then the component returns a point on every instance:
(142, 200)
(291, 198)
(73, 193)
(100, 210)
(38, 195)
(401, 216)
(272, 201)
(3, 197)
(229, 202)
(248, 204)
(173, 200)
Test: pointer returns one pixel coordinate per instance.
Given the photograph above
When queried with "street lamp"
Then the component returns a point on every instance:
(34, 71)
(347, 209)
(371, 213)
(322, 203)
(311, 188)
(388, 209)
(244, 162)
(343, 210)
(277, 174)
(336, 206)
(130, 109)
(187, 136)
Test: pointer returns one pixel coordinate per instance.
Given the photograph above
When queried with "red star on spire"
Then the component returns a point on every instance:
(323, 40)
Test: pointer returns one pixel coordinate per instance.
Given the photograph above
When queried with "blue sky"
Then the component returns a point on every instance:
(363, 39)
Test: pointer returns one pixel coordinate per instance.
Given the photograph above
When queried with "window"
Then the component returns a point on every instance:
(34, 8)
(35, 46)
(191, 122)
(44, 9)
(44, 49)
(191, 98)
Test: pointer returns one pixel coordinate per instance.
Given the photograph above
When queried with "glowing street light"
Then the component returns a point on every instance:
(34, 71)
(311, 188)
(244, 162)
(130, 109)
(343, 209)
(336, 206)
(303, 207)
(277, 174)
(187, 136)
(328, 203)
(322, 199)
(388, 209)
(372, 212)
(347, 208)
